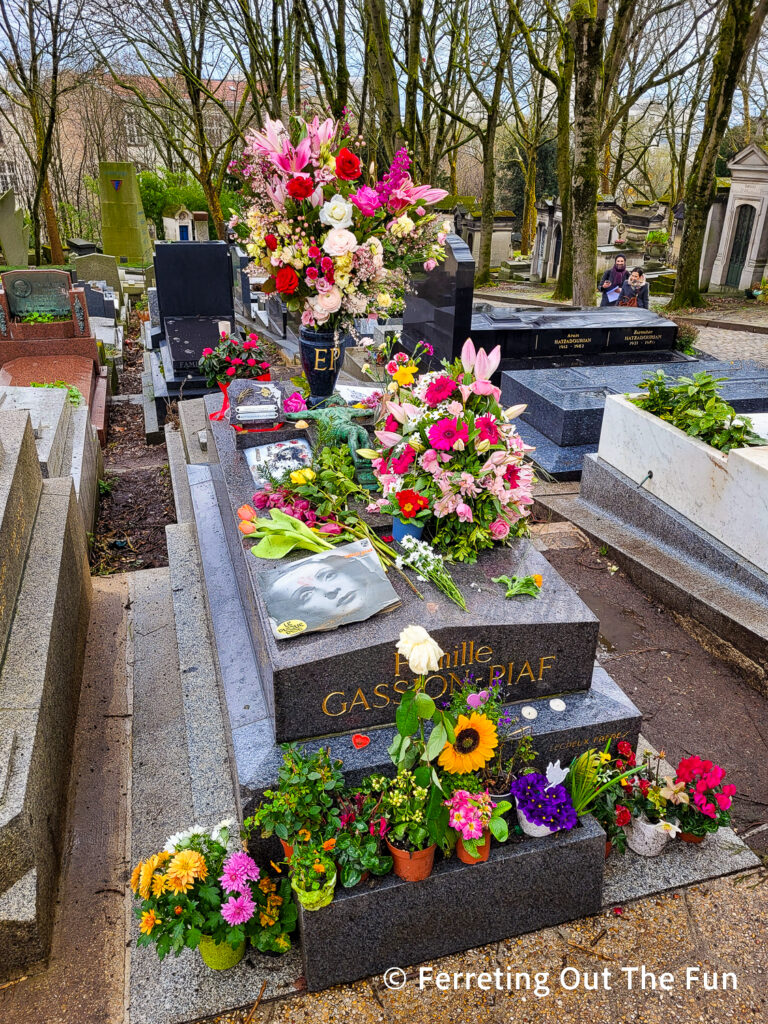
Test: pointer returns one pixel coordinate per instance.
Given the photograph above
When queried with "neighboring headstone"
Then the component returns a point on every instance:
(154, 307)
(123, 223)
(98, 267)
(81, 246)
(439, 309)
(14, 234)
(194, 279)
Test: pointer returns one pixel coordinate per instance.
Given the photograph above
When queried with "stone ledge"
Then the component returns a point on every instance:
(522, 887)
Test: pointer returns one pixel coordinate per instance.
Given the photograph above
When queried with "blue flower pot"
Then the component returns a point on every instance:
(321, 361)
(401, 529)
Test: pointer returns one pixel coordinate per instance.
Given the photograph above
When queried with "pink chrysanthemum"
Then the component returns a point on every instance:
(444, 434)
(238, 869)
(238, 909)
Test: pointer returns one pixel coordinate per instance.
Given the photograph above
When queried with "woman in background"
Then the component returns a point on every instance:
(614, 277)
(634, 291)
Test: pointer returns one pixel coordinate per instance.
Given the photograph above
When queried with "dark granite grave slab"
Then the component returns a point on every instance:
(566, 405)
(194, 279)
(560, 463)
(439, 309)
(531, 647)
(187, 336)
(523, 886)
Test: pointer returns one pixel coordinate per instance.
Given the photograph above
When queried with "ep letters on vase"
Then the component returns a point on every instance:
(454, 666)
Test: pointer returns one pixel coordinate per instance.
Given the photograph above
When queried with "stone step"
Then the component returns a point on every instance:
(39, 692)
(20, 486)
(673, 560)
(51, 414)
(178, 468)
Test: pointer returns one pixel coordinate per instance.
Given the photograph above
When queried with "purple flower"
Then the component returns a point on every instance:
(238, 909)
(542, 804)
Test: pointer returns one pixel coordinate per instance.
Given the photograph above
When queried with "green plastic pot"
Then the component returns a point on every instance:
(220, 956)
(318, 898)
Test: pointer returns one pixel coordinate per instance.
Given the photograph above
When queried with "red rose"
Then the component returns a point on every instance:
(623, 817)
(624, 748)
(347, 165)
(314, 252)
(286, 280)
(271, 242)
(301, 187)
(411, 503)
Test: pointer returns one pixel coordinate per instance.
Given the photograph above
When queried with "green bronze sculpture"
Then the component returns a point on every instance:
(340, 428)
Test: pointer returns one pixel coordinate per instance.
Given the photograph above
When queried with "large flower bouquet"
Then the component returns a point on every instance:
(446, 440)
(199, 887)
(336, 242)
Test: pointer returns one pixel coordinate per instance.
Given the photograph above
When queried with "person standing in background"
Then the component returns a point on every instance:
(635, 291)
(612, 279)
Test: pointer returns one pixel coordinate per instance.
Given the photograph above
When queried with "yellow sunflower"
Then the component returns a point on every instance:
(476, 740)
(185, 867)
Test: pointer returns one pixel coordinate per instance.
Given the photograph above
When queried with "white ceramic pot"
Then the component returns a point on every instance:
(536, 831)
(645, 838)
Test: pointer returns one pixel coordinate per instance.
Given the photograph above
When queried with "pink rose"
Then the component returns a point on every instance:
(366, 199)
(464, 512)
(339, 241)
(430, 264)
(295, 402)
(499, 529)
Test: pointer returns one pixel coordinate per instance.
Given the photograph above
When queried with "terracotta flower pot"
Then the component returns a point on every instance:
(220, 956)
(689, 837)
(412, 867)
(483, 850)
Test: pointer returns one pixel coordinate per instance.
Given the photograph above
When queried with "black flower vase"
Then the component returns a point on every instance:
(321, 360)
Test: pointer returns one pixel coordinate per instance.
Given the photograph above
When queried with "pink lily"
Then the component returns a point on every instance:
(270, 140)
(397, 411)
(468, 355)
(293, 158)
(484, 387)
(277, 193)
(486, 363)
(388, 438)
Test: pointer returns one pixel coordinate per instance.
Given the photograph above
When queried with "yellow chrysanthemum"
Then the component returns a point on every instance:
(148, 922)
(476, 740)
(184, 869)
(145, 878)
(135, 877)
(159, 885)
(162, 857)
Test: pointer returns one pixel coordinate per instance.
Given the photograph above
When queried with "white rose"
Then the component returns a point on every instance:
(422, 652)
(339, 241)
(337, 212)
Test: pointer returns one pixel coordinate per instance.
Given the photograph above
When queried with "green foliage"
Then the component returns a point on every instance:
(42, 318)
(307, 785)
(281, 534)
(657, 237)
(693, 404)
(166, 188)
(106, 487)
(74, 395)
(511, 181)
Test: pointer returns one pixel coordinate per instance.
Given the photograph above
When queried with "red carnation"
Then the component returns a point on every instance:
(624, 748)
(314, 252)
(271, 242)
(312, 273)
(411, 503)
(286, 280)
(347, 165)
(301, 187)
(327, 264)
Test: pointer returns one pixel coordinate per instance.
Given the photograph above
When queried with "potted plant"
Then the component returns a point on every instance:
(700, 798)
(304, 803)
(199, 893)
(475, 817)
(336, 242)
(613, 817)
(358, 846)
(542, 808)
(514, 754)
(651, 827)
(405, 803)
(313, 875)
(230, 360)
(410, 513)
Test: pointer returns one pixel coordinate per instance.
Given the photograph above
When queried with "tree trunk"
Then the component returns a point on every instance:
(51, 224)
(739, 30)
(528, 226)
(564, 285)
(483, 272)
(587, 33)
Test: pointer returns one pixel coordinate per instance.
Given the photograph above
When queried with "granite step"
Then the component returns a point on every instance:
(39, 692)
(51, 414)
(675, 562)
(20, 487)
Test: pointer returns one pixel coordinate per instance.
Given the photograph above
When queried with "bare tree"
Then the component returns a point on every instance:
(39, 47)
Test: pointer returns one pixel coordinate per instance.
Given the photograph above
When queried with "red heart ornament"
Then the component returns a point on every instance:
(359, 741)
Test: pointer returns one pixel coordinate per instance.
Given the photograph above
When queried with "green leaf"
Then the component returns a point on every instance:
(436, 742)
(499, 829)
(406, 717)
(274, 546)
(425, 706)
(192, 938)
